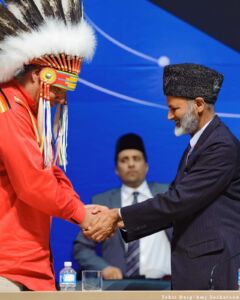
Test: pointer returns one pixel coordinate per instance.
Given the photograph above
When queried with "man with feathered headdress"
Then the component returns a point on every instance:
(42, 46)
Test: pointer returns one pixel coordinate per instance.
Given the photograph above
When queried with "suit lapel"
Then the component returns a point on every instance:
(183, 166)
(116, 198)
(207, 132)
(204, 136)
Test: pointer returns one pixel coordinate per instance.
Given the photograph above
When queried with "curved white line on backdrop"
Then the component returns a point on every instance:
(228, 115)
(119, 44)
(120, 96)
(140, 101)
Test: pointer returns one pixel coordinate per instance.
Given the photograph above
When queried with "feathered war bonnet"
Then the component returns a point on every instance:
(51, 34)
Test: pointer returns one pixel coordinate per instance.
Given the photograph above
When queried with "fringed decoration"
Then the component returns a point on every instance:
(44, 125)
(60, 135)
(64, 138)
(51, 77)
(56, 129)
(41, 123)
(48, 151)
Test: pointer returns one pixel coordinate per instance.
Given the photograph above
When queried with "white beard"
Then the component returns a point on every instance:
(188, 124)
(178, 131)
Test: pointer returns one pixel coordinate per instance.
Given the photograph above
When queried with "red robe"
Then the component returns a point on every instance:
(29, 195)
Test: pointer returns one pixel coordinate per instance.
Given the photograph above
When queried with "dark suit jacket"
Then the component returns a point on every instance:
(112, 250)
(203, 203)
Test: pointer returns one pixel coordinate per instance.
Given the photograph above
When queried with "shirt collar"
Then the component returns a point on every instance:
(197, 135)
(142, 189)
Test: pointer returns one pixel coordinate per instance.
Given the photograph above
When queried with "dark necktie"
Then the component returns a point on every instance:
(132, 255)
(189, 151)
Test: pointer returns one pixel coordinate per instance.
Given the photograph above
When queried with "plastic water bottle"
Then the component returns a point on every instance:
(68, 277)
(239, 279)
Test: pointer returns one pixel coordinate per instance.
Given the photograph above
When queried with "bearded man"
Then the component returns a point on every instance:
(203, 201)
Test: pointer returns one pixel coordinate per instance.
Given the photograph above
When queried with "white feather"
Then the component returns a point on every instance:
(52, 37)
(66, 10)
(14, 9)
(38, 3)
(52, 3)
(82, 8)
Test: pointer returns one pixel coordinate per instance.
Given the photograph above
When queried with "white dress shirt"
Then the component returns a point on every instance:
(155, 250)
(197, 135)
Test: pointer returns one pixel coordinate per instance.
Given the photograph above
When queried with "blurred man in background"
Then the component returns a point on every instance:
(152, 259)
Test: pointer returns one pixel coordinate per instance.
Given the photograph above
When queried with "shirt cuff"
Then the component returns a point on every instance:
(79, 215)
(119, 213)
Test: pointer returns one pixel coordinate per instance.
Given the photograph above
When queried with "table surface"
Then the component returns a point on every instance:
(134, 285)
(123, 295)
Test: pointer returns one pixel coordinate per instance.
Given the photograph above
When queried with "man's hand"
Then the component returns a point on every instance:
(96, 208)
(103, 225)
(112, 273)
(91, 213)
(120, 224)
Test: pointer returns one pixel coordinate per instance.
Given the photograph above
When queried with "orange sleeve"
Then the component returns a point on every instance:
(47, 190)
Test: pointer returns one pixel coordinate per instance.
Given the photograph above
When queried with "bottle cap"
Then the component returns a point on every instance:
(67, 264)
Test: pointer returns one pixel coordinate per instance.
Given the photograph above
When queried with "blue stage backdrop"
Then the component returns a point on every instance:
(120, 91)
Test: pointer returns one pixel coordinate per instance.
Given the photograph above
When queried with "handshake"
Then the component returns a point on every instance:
(100, 222)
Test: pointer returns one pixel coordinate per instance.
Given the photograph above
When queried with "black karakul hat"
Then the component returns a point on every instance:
(191, 81)
(130, 141)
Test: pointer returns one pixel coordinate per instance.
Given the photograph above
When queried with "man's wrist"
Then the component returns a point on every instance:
(116, 215)
(118, 218)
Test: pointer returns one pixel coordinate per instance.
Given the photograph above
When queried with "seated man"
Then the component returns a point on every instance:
(148, 257)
